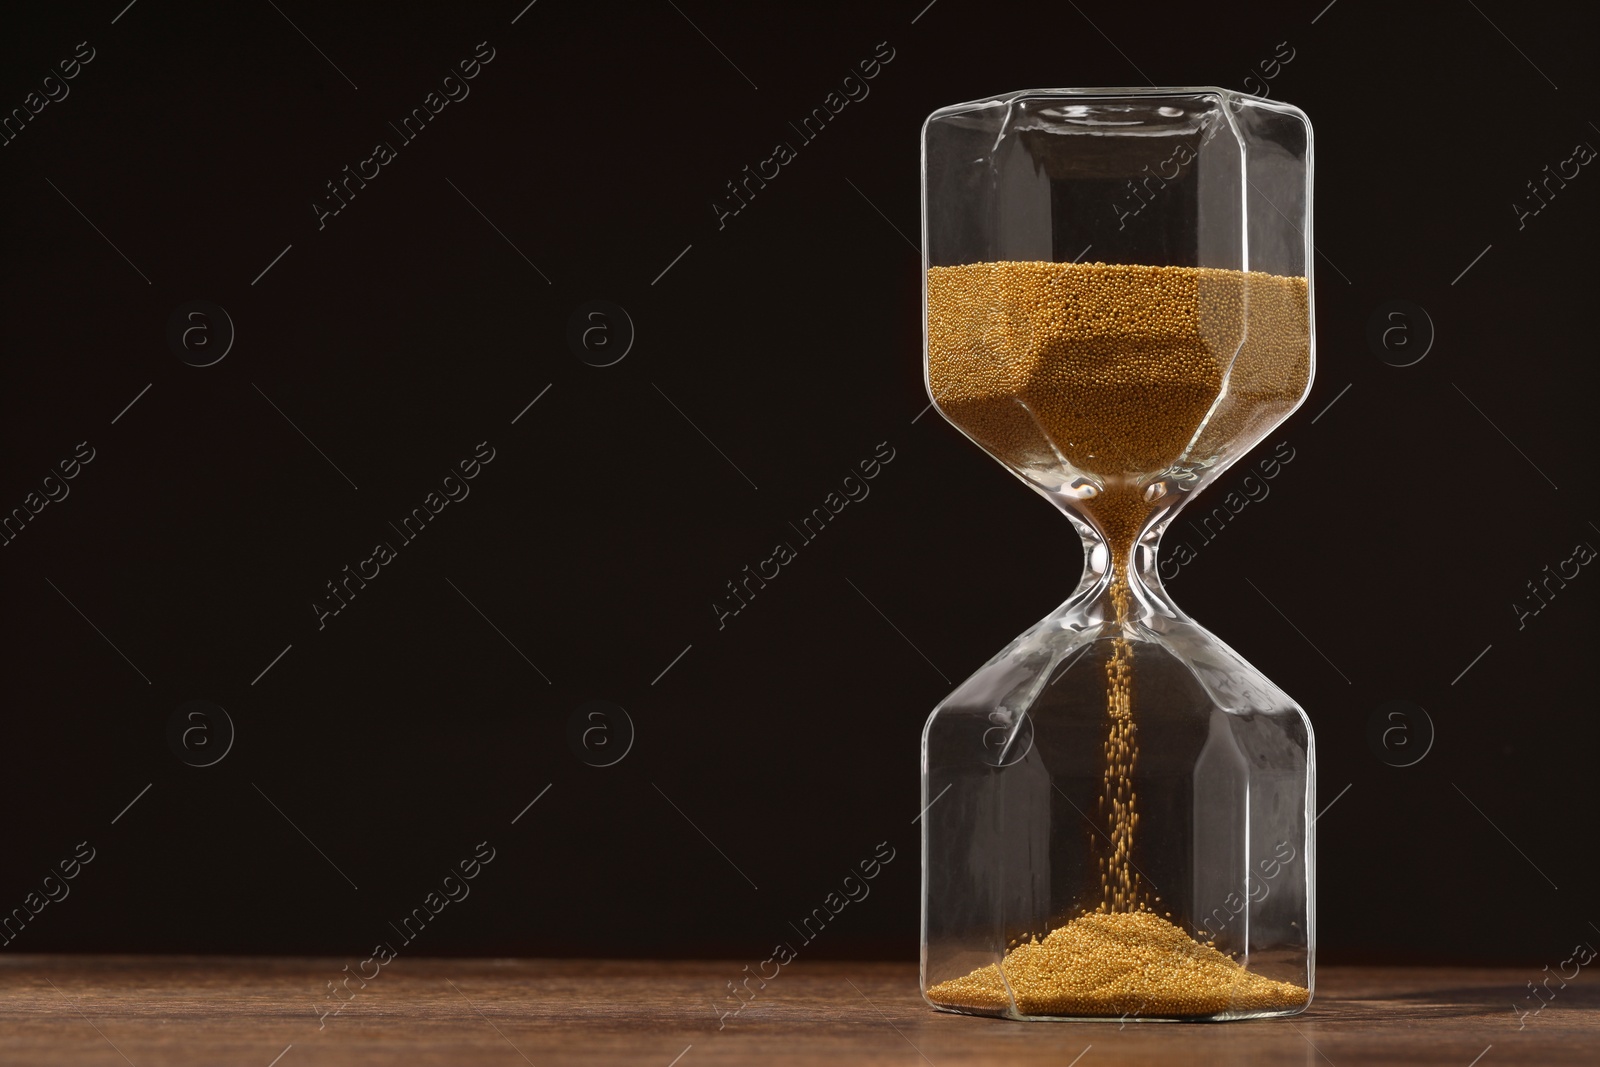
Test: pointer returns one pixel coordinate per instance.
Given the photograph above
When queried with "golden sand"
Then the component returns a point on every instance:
(1130, 963)
(1117, 372)
(1114, 367)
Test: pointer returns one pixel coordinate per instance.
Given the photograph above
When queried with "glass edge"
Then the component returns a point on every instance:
(1112, 92)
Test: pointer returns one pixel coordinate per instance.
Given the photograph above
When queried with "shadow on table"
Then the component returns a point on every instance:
(1455, 1002)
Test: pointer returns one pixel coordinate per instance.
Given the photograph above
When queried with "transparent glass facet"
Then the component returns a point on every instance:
(1118, 306)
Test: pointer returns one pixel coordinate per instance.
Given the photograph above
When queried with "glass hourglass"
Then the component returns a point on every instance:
(1118, 808)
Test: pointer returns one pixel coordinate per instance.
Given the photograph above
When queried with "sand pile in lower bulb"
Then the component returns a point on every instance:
(1133, 963)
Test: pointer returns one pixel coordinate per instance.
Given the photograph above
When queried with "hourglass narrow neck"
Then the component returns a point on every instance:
(1130, 557)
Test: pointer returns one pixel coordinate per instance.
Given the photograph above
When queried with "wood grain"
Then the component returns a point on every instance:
(176, 1012)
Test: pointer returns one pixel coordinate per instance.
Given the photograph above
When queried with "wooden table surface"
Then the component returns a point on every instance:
(175, 1012)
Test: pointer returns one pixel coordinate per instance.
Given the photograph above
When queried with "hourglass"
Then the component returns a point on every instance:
(1118, 808)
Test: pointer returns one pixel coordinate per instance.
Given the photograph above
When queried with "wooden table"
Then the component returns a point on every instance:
(173, 1012)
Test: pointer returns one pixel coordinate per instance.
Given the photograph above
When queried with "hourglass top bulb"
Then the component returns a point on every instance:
(1121, 373)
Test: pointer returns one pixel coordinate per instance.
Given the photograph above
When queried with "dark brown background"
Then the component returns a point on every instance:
(408, 330)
